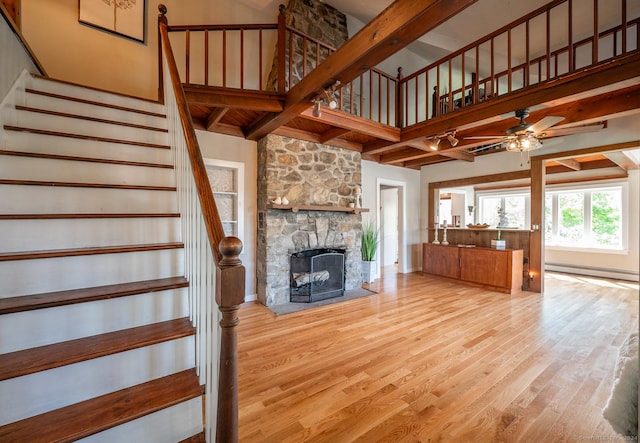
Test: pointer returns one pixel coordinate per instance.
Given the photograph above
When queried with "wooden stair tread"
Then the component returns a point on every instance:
(23, 303)
(95, 103)
(98, 414)
(198, 438)
(84, 159)
(89, 215)
(86, 118)
(53, 253)
(42, 358)
(84, 185)
(84, 137)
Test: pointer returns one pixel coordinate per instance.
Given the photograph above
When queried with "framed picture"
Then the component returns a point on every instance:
(122, 17)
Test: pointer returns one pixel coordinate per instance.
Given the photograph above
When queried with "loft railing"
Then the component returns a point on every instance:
(534, 55)
(215, 273)
(273, 57)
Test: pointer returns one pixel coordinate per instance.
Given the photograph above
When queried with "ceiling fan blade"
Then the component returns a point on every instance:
(543, 124)
(575, 130)
(480, 137)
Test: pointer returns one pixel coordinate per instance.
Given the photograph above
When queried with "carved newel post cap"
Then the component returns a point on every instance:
(282, 8)
(230, 248)
(162, 8)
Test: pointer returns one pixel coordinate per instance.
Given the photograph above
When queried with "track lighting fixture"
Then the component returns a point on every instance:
(452, 139)
(327, 96)
(433, 144)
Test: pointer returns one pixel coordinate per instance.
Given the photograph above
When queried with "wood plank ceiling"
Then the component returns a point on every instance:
(587, 99)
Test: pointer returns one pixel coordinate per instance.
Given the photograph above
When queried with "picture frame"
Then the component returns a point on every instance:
(126, 18)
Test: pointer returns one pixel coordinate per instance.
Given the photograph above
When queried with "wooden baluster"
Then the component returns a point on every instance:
(230, 277)
(282, 37)
(399, 100)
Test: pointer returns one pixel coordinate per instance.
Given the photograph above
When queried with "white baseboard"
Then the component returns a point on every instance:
(593, 272)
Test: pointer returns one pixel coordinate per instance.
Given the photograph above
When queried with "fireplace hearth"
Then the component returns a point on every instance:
(316, 274)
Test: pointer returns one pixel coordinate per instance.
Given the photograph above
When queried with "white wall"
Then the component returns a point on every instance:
(224, 147)
(372, 175)
(619, 130)
(84, 55)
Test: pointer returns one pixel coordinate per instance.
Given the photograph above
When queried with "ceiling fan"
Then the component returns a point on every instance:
(525, 136)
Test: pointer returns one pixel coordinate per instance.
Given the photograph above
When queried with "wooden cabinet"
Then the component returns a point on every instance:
(499, 270)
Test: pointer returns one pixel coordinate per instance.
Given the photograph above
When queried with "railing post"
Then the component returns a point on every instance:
(162, 19)
(399, 100)
(282, 37)
(230, 276)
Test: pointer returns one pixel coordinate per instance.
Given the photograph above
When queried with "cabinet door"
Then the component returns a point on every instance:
(485, 266)
(227, 183)
(440, 260)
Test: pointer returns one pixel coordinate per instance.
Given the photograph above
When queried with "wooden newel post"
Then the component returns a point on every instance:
(229, 295)
(282, 42)
(162, 20)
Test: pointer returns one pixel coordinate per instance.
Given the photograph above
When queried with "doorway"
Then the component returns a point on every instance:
(390, 218)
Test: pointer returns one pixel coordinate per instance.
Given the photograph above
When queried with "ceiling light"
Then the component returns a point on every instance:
(433, 145)
(523, 142)
(316, 108)
(454, 141)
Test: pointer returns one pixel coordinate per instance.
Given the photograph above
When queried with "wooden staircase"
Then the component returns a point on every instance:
(95, 337)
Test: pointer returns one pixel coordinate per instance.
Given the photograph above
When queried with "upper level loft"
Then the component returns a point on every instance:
(571, 64)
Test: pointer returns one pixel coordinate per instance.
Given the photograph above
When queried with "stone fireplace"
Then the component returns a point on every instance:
(306, 174)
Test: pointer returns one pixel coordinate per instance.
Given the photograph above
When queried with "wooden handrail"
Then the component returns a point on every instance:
(213, 223)
(229, 278)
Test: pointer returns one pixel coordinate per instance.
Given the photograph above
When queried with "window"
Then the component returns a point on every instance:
(504, 210)
(587, 218)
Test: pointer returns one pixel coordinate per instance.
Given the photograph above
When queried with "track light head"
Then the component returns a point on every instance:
(454, 141)
(316, 109)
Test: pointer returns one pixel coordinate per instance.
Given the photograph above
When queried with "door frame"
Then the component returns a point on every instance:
(402, 237)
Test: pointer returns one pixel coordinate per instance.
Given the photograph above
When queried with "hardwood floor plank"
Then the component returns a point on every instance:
(427, 360)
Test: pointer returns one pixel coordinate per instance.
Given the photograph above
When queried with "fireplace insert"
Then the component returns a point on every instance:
(316, 274)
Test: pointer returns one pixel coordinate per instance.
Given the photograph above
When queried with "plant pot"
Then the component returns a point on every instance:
(368, 271)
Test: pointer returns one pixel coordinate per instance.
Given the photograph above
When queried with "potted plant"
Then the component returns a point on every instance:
(368, 248)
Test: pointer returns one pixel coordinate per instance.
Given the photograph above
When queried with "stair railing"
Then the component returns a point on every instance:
(211, 259)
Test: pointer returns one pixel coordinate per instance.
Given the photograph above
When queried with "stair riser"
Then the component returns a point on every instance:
(37, 235)
(26, 199)
(167, 426)
(29, 329)
(24, 277)
(36, 120)
(46, 144)
(45, 169)
(47, 390)
(88, 110)
(93, 95)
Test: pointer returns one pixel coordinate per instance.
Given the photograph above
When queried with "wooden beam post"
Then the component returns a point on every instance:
(536, 252)
(162, 18)
(399, 100)
(230, 275)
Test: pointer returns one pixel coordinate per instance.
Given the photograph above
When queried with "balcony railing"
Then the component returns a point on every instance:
(552, 41)
(542, 46)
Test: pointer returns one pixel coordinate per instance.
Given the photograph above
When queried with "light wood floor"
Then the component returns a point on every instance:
(430, 361)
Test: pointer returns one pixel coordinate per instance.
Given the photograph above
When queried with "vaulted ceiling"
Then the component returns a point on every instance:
(432, 29)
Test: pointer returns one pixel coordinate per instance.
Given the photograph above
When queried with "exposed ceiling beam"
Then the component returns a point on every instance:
(353, 123)
(570, 163)
(215, 97)
(286, 131)
(403, 22)
(459, 155)
(215, 117)
(621, 159)
(333, 133)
